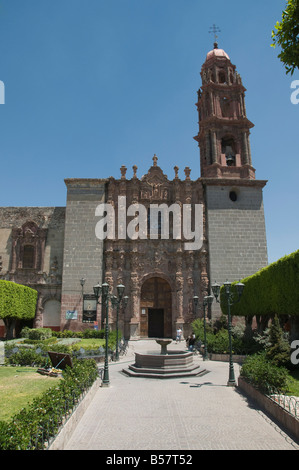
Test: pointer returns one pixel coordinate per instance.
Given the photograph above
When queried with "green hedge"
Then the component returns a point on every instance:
(272, 290)
(17, 301)
(34, 426)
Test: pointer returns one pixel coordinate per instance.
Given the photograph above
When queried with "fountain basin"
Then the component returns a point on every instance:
(173, 359)
(159, 366)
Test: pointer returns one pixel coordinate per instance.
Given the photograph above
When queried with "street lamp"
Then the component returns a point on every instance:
(116, 303)
(230, 302)
(103, 291)
(207, 300)
(82, 282)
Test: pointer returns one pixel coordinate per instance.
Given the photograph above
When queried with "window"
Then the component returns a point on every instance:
(228, 148)
(28, 246)
(28, 257)
(225, 107)
(221, 77)
(233, 196)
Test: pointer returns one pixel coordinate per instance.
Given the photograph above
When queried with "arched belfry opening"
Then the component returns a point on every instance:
(156, 309)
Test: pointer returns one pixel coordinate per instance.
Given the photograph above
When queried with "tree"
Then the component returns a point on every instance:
(17, 302)
(287, 36)
(278, 350)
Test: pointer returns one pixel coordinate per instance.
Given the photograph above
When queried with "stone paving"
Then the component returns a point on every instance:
(191, 413)
(2, 354)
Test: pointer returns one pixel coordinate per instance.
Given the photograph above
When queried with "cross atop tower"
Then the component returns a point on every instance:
(214, 29)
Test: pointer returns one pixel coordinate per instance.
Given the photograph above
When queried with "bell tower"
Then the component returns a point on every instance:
(234, 209)
(224, 129)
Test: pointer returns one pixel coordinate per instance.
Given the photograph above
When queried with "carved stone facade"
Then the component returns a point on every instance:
(160, 275)
(31, 247)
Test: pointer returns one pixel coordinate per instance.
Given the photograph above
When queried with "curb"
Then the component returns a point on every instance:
(277, 413)
(69, 426)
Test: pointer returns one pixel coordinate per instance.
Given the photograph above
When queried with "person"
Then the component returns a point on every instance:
(191, 342)
(178, 335)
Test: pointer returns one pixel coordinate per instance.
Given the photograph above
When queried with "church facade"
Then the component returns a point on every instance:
(166, 239)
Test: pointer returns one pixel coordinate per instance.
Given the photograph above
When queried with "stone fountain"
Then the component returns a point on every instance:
(166, 364)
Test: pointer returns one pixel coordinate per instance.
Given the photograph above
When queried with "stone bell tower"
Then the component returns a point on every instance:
(233, 196)
(224, 129)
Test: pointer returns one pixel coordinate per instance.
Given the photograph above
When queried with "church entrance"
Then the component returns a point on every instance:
(156, 309)
(156, 323)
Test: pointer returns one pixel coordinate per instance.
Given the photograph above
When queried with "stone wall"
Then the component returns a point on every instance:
(83, 253)
(236, 231)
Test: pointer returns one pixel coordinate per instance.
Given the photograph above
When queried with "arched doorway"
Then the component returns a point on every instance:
(51, 314)
(155, 309)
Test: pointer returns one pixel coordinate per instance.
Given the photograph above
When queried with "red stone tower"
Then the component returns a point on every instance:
(224, 129)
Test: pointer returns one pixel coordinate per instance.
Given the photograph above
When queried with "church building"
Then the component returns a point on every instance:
(165, 238)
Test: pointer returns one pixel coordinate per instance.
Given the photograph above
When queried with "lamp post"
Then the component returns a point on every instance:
(230, 302)
(207, 300)
(82, 282)
(116, 303)
(103, 291)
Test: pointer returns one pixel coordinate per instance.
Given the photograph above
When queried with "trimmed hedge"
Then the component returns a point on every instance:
(34, 426)
(272, 290)
(17, 302)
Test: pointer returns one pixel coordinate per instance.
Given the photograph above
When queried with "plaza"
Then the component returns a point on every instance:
(181, 414)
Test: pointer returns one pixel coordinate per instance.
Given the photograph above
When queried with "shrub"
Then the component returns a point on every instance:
(41, 420)
(218, 341)
(39, 333)
(67, 334)
(278, 350)
(88, 333)
(25, 332)
(263, 374)
(26, 356)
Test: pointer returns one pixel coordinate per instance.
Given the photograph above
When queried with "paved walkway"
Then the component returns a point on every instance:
(174, 414)
(2, 354)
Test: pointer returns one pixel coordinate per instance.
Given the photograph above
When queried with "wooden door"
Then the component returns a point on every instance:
(156, 323)
(156, 309)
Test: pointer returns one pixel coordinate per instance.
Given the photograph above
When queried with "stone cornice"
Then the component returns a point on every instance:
(233, 182)
(85, 181)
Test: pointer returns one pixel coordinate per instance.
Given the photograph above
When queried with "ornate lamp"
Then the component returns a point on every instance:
(120, 291)
(216, 290)
(97, 289)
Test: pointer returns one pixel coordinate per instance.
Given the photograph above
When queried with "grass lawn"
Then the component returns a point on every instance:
(19, 386)
(91, 343)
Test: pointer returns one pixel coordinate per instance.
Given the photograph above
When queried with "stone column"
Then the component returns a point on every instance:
(245, 148)
(214, 146)
(208, 148)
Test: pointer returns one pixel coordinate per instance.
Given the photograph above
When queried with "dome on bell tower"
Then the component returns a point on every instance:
(214, 53)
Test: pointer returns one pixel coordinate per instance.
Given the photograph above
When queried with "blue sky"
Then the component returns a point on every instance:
(91, 85)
